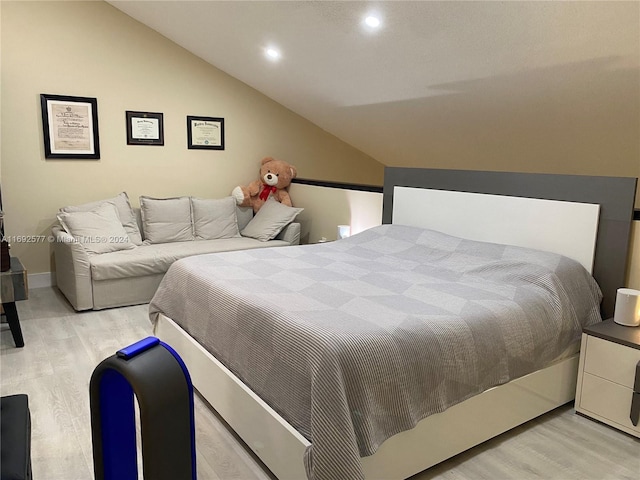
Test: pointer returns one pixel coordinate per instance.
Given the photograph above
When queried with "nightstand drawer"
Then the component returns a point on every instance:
(611, 361)
(608, 402)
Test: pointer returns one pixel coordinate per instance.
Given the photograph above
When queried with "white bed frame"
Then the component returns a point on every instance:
(462, 426)
(433, 440)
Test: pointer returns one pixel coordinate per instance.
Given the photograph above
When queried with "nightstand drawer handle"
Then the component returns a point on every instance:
(635, 399)
(635, 408)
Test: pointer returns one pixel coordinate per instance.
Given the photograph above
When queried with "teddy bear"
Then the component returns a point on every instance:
(274, 181)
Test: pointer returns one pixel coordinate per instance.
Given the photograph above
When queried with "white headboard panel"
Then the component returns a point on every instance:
(567, 228)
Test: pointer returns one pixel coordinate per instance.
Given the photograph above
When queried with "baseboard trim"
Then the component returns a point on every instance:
(41, 280)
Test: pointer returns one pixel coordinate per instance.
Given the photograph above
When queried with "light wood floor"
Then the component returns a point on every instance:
(63, 347)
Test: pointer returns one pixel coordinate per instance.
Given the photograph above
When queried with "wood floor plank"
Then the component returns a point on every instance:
(28, 362)
(560, 445)
(63, 347)
(56, 451)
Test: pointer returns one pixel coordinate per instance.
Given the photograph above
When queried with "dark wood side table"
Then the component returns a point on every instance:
(14, 287)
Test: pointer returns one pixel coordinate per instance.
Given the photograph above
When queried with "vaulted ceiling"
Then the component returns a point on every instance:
(434, 76)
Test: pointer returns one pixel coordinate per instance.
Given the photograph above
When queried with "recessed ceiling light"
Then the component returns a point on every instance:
(272, 53)
(372, 21)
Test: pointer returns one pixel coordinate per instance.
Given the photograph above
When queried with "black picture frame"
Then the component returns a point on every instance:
(205, 133)
(145, 128)
(70, 127)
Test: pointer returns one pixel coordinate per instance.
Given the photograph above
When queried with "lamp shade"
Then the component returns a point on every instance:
(344, 231)
(627, 311)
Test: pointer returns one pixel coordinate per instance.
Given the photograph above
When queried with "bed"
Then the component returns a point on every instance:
(375, 401)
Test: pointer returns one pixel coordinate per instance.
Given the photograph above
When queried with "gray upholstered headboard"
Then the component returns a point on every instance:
(615, 195)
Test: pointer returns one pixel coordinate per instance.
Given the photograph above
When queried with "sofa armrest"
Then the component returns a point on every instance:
(73, 270)
(290, 233)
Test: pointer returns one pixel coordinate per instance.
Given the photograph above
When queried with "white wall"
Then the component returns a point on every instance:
(633, 267)
(325, 208)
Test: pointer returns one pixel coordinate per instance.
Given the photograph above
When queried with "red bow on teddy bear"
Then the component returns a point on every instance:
(266, 190)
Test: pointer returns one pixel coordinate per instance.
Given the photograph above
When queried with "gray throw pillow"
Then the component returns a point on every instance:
(166, 220)
(214, 218)
(269, 221)
(99, 230)
(125, 213)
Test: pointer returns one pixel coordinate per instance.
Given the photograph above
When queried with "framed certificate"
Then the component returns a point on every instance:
(70, 126)
(205, 133)
(144, 128)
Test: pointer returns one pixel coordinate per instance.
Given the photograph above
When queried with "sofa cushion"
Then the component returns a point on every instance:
(166, 220)
(245, 215)
(269, 221)
(99, 230)
(214, 218)
(125, 213)
(157, 258)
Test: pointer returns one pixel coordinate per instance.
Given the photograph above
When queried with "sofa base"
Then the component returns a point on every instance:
(120, 292)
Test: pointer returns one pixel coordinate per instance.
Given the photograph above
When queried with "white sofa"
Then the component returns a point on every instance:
(126, 264)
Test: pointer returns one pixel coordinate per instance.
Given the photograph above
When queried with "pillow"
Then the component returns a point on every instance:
(244, 215)
(99, 230)
(166, 220)
(214, 218)
(125, 212)
(272, 217)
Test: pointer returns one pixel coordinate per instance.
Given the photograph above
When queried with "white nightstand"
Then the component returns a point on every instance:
(608, 387)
